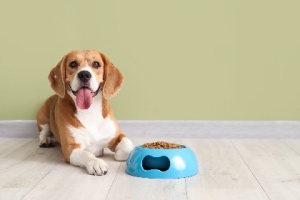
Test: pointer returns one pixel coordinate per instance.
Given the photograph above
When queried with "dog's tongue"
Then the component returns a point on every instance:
(84, 98)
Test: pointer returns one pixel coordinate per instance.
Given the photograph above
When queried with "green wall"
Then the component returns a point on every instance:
(193, 60)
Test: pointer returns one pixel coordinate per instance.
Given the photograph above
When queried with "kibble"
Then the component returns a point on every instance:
(162, 145)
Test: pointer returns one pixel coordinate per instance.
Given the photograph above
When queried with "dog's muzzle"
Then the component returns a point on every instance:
(84, 94)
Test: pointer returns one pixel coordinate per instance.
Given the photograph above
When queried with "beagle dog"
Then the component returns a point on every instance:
(79, 115)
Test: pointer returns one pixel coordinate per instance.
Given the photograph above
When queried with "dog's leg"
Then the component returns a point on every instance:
(42, 119)
(94, 166)
(123, 149)
(122, 146)
(45, 136)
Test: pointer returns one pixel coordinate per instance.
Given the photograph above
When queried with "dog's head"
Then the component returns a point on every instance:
(83, 74)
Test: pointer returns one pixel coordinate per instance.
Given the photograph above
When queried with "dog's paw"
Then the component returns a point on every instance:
(45, 145)
(121, 155)
(123, 149)
(46, 142)
(97, 167)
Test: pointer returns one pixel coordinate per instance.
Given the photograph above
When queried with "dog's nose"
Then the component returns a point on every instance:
(84, 76)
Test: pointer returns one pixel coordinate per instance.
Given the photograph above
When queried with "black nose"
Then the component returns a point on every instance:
(84, 76)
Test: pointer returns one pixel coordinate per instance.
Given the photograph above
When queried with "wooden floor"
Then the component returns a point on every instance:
(229, 169)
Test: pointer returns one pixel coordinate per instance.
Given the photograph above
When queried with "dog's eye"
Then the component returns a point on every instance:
(73, 64)
(96, 64)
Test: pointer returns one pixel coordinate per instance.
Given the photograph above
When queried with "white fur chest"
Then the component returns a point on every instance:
(97, 131)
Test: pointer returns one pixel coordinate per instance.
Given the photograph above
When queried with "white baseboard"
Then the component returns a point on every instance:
(183, 129)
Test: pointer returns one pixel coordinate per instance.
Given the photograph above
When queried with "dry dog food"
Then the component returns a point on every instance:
(162, 145)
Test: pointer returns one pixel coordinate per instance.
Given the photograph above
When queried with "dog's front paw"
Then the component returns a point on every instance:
(123, 149)
(122, 155)
(97, 167)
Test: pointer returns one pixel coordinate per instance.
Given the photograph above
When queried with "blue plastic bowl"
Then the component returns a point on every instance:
(162, 163)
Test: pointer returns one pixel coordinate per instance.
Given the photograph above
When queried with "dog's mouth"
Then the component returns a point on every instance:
(84, 96)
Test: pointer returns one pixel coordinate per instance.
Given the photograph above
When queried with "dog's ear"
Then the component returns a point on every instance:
(57, 78)
(112, 80)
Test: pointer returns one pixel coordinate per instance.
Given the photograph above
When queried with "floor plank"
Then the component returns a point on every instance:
(293, 144)
(223, 173)
(135, 188)
(9, 145)
(26, 167)
(13, 193)
(69, 182)
(18, 154)
(263, 147)
(274, 164)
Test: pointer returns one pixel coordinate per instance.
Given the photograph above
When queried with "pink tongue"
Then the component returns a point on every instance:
(84, 98)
